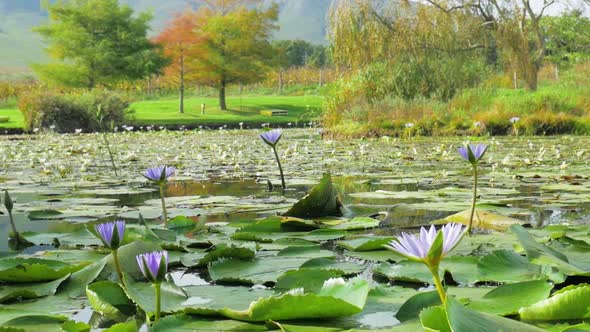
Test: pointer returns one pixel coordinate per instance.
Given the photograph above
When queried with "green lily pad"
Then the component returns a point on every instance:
(333, 300)
(143, 294)
(109, 299)
(29, 291)
(322, 201)
(365, 243)
(192, 323)
(567, 304)
(311, 280)
(508, 299)
(22, 270)
(482, 219)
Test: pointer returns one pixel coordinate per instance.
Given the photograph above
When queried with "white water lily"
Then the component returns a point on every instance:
(332, 282)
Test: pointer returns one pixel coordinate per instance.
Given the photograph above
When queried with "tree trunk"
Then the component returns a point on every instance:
(222, 105)
(531, 77)
(321, 77)
(181, 106)
(280, 81)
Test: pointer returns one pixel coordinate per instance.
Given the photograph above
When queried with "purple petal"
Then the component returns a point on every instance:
(105, 232)
(464, 153)
(155, 173)
(478, 150)
(120, 229)
(271, 137)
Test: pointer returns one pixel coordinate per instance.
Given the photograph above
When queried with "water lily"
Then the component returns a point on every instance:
(111, 234)
(514, 119)
(19, 240)
(154, 266)
(409, 125)
(473, 153)
(161, 174)
(429, 247)
(271, 138)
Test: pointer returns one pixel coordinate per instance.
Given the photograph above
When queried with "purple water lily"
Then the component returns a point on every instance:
(153, 265)
(473, 152)
(416, 247)
(272, 137)
(111, 233)
(159, 173)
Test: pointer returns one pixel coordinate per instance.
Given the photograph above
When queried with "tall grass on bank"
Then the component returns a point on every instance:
(557, 107)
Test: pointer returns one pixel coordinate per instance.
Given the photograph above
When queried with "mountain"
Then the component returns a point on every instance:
(298, 19)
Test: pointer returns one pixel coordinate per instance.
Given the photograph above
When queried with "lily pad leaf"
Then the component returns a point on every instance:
(567, 304)
(109, 299)
(322, 201)
(76, 284)
(365, 243)
(29, 291)
(22, 270)
(413, 306)
(191, 323)
(44, 214)
(257, 271)
(435, 319)
(462, 318)
(201, 259)
(311, 280)
(335, 299)
(30, 323)
(508, 299)
(482, 219)
(143, 294)
(508, 266)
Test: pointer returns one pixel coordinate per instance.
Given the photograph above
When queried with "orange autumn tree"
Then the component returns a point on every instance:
(183, 45)
(237, 43)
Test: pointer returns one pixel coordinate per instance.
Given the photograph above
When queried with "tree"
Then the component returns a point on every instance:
(183, 46)
(97, 42)
(516, 25)
(237, 45)
(568, 37)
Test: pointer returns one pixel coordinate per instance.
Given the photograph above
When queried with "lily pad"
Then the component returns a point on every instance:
(23, 270)
(322, 201)
(482, 219)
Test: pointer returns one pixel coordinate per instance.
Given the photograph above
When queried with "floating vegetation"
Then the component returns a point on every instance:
(231, 256)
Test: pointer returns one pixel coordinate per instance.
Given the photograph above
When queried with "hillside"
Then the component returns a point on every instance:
(299, 19)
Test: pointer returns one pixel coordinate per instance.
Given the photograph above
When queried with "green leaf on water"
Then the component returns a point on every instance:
(143, 294)
(462, 318)
(322, 201)
(508, 299)
(311, 280)
(30, 290)
(24, 270)
(192, 323)
(567, 304)
(413, 306)
(109, 299)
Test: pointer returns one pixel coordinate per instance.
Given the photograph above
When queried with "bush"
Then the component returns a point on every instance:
(90, 111)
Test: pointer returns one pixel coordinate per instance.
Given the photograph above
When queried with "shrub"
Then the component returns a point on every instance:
(90, 111)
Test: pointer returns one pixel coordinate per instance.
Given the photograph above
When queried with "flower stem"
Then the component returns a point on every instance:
(158, 300)
(118, 266)
(106, 141)
(164, 212)
(438, 284)
(473, 201)
(280, 167)
(16, 235)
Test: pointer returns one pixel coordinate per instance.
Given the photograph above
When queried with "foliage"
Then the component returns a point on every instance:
(90, 111)
(568, 37)
(235, 44)
(97, 43)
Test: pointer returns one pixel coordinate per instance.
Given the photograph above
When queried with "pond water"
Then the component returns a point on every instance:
(63, 183)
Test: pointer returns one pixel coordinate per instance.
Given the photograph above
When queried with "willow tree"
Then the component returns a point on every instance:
(516, 25)
(421, 43)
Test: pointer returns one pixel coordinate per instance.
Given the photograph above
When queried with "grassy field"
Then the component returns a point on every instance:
(245, 109)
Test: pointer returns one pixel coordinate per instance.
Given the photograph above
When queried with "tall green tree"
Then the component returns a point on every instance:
(237, 45)
(97, 42)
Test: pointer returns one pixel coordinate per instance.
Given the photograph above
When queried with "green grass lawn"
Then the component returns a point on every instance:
(16, 118)
(245, 109)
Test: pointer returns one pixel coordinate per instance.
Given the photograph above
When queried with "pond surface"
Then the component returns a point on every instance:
(63, 183)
